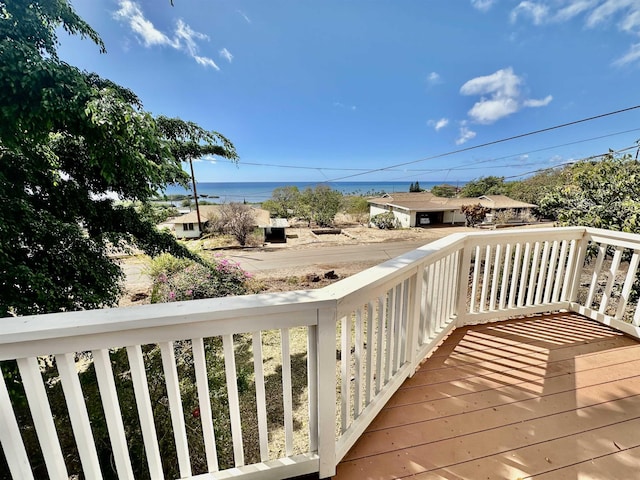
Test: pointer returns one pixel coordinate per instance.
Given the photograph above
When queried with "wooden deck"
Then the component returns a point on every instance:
(549, 397)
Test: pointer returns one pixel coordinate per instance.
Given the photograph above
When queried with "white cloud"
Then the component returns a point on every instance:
(342, 105)
(482, 5)
(538, 12)
(243, 15)
(184, 37)
(624, 14)
(438, 124)
(226, 54)
(433, 78)
(505, 98)
(465, 135)
(631, 56)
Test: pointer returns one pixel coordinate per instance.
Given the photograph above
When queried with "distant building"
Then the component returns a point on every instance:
(186, 226)
(421, 209)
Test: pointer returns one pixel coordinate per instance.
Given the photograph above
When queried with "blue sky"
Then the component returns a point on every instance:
(340, 88)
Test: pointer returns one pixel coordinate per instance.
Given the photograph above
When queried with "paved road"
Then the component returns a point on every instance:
(322, 256)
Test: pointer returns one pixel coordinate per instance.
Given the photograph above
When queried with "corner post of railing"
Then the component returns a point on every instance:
(580, 256)
(413, 317)
(463, 282)
(326, 354)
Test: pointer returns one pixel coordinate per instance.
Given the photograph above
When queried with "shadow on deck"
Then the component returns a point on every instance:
(550, 397)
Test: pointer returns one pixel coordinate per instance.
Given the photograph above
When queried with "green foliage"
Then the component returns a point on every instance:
(69, 140)
(320, 205)
(156, 213)
(446, 191)
(385, 221)
(474, 214)
(177, 279)
(484, 186)
(358, 208)
(415, 187)
(283, 202)
(603, 194)
(534, 188)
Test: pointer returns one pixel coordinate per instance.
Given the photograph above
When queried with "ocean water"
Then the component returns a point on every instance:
(256, 192)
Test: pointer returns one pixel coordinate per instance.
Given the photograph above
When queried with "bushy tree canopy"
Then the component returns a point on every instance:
(71, 142)
(484, 186)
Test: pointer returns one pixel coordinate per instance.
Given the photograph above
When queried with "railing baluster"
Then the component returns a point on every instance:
(497, 260)
(611, 276)
(112, 413)
(476, 280)
(485, 279)
(345, 367)
(261, 397)
(369, 351)
(204, 402)
(398, 326)
(312, 386)
(543, 269)
(357, 401)
(42, 417)
(430, 299)
(326, 336)
(532, 276)
(453, 297)
(390, 325)
(175, 407)
(234, 401)
(11, 440)
(505, 277)
(628, 285)
(380, 322)
(602, 249)
(145, 411)
(78, 415)
(560, 274)
(552, 271)
(522, 291)
(517, 258)
(287, 388)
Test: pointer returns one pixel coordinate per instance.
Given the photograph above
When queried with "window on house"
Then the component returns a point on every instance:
(187, 226)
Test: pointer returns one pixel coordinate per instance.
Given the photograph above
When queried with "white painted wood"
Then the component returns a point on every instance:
(380, 345)
(397, 331)
(289, 467)
(577, 268)
(506, 270)
(327, 401)
(446, 300)
(463, 286)
(42, 417)
(404, 331)
(11, 440)
(476, 280)
(430, 302)
(485, 279)
(261, 397)
(517, 259)
(456, 267)
(611, 276)
(542, 273)
(628, 285)
(234, 401)
(370, 370)
(522, 291)
(175, 407)
(287, 389)
(560, 274)
(390, 327)
(497, 264)
(533, 274)
(358, 365)
(552, 272)
(593, 286)
(112, 413)
(204, 402)
(78, 415)
(145, 411)
(439, 293)
(345, 373)
(312, 386)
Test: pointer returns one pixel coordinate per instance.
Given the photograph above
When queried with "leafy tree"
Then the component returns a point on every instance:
(69, 142)
(415, 187)
(283, 202)
(484, 186)
(154, 213)
(385, 221)
(358, 207)
(239, 220)
(320, 205)
(534, 188)
(446, 191)
(474, 214)
(601, 193)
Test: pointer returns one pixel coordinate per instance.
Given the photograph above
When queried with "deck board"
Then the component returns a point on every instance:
(554, 396)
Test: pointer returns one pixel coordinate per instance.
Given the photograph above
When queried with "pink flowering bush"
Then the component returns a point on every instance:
(176, 280)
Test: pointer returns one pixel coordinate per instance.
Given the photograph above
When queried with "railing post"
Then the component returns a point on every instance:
(326, 335)
(581, 253)
(463, 283)
(413, 317)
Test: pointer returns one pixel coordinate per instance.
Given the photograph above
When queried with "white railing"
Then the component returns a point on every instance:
(341, 353)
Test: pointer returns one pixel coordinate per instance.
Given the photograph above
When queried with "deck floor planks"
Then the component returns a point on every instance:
(484, 414)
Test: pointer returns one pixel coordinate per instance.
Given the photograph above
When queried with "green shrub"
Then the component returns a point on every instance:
(385, 221)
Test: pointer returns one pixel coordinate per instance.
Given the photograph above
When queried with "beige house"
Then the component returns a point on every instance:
(186, 226)
(421, 209)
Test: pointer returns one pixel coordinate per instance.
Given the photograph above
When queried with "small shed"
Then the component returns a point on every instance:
(275, 231)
